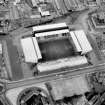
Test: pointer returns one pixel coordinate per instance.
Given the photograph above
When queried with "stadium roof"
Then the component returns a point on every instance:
(77, 44)
(30, 49)
(49, 27)
(37, 47)
(68, 62)
(81, 42)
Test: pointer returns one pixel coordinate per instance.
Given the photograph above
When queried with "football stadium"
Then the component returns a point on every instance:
(54, 46)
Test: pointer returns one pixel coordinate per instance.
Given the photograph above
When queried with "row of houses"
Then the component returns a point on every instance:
(74, 5)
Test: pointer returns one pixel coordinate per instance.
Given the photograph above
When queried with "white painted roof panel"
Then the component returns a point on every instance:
(82, 38)
(77, 45)
(49, 26)
(37, 49)
(68, 62)
(29, 50)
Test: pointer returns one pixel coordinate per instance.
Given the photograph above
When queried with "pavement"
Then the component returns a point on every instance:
(22, 32)
(27, 72)
(6, 59)
(16, 69)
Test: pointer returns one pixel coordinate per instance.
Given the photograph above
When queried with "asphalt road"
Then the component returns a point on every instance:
(54, 76)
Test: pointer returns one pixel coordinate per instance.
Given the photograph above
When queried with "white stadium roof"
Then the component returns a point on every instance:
(76, 42)
(37, 48)
(68, 62)
(82, 38)
(49, 26)
(81, 42)
(29, 50)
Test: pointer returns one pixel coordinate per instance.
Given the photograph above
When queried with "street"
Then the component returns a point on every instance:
(54, 76)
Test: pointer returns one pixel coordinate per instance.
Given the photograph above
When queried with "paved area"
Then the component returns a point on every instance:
(6, 59)
(16, 69)
(27, 72)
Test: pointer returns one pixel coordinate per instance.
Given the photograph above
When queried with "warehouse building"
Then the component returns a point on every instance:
(53, 47)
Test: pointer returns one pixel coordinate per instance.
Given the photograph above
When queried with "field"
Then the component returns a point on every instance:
(56, 49)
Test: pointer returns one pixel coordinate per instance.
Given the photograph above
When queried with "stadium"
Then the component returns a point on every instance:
(53, 47)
